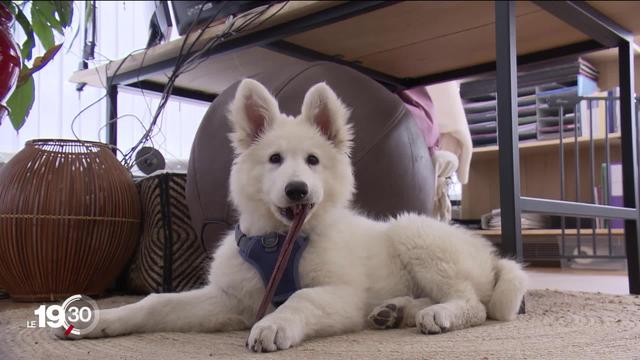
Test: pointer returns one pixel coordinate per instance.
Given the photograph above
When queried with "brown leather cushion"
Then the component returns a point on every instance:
(393, 168)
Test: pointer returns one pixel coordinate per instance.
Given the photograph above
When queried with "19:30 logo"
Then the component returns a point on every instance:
(77, 315)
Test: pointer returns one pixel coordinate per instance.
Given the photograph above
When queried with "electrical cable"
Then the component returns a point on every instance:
(126, 160)
(177, 71)
(186, 60)
(75, 118)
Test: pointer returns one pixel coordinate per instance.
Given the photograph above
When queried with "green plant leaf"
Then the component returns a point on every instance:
(20, 103)
(47, 12)
(30, 41)
(46, 16)
(38, 63)
(65, 12)
(41, 28)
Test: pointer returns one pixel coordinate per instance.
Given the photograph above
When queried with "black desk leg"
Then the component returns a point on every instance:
(508, 152)
(112, 116)
(507, 90)
(628, 132)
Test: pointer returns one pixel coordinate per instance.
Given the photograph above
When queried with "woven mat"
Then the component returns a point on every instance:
(558, 325)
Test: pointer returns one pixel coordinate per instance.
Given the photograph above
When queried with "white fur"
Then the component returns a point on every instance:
(446, 277)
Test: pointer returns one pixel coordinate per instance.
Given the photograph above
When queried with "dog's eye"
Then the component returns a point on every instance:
(275, 158)
(312, 160)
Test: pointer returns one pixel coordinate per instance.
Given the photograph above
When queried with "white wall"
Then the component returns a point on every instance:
(122, 28)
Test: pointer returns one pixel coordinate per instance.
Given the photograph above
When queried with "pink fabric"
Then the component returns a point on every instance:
(418, 101)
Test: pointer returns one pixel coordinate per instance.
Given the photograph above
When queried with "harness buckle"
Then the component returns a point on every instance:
(270, 242)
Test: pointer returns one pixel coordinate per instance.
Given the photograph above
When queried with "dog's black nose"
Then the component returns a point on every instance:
(296, 190)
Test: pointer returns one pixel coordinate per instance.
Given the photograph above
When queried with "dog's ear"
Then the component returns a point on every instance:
(251, 112)
(323, 108)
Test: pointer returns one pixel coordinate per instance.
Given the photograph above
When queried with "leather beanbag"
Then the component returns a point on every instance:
(393, 167)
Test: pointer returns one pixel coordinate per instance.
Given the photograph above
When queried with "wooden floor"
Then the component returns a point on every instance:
(609, 282)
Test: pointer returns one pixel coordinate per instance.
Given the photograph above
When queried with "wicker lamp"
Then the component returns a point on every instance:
(69, 220)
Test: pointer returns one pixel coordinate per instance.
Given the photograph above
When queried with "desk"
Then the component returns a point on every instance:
(406, 44)
(411, 42)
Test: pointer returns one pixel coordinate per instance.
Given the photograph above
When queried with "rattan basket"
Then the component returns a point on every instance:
(69, 220)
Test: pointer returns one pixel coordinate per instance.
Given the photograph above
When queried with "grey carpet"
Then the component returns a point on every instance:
(558, 325)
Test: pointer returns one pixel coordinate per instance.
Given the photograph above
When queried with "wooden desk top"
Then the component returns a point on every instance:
(408, 39)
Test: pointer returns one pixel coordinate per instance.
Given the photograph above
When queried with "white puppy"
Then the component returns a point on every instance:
(407, 271)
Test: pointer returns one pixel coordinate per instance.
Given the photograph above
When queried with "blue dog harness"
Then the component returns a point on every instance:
(262, 253)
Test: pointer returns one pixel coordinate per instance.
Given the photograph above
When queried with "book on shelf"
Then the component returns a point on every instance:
(596, 117)
(613, 109)
(593, 115)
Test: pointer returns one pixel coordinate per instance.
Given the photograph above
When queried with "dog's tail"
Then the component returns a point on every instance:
(511, 284)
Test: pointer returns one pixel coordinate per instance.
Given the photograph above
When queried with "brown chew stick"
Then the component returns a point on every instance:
(281, 262)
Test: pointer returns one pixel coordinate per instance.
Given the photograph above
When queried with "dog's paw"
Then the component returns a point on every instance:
(434, 319)
(271, 335)
(386, 316)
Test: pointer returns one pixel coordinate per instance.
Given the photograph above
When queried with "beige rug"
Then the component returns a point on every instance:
(558, 325)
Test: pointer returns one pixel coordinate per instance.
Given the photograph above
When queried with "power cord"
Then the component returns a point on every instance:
(187, 60)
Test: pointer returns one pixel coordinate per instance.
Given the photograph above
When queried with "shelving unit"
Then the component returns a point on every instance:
(554, 165)
(540, 172)
(564, 168)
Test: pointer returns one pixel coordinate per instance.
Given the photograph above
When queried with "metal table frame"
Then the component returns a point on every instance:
(604, 33)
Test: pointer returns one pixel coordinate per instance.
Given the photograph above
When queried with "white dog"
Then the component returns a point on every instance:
(408, 271)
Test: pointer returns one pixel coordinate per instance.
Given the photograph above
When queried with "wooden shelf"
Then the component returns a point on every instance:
(551, 232)
(539, 172)
(544, 145)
